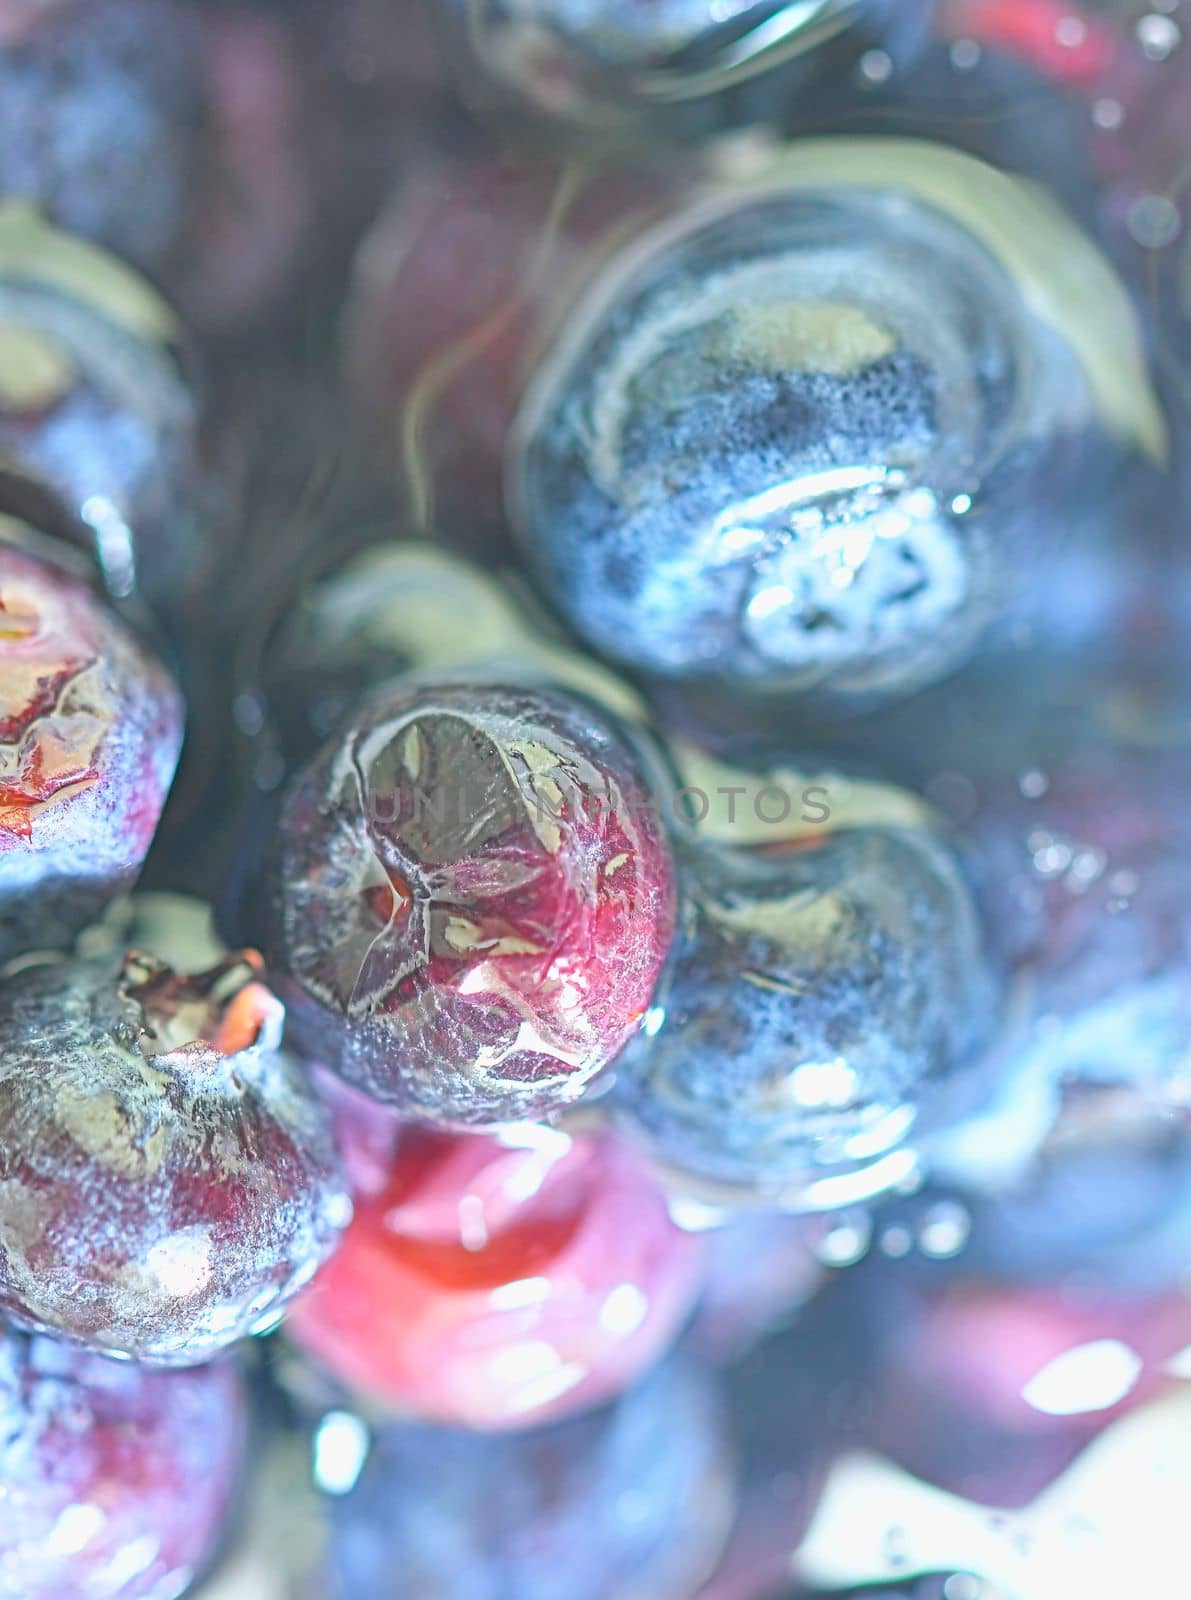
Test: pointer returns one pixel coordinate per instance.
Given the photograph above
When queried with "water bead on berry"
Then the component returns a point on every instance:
(94, 406)
(115, 1481)
(472, 899)
(791, 438)
(496, 1281)
(631, 1500)
(169, 1179)
(90, 730)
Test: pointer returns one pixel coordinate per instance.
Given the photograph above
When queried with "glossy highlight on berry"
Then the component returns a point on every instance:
(497, 1281)
(820, 992)
(789, 438)
(472, 899)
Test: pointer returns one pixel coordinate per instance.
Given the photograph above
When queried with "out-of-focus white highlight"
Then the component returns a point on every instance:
(340, 1451)
(1092, 1377)
(1115, 1523)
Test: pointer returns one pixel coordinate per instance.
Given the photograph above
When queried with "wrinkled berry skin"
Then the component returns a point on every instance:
(169, 1181)
(790, 441)
(90, 730)
(686, 68)
(472, 900)
(115, 1482)
(99, 111)
(816, 998)
(497, 1282)
(544, 1512)
(94, 406)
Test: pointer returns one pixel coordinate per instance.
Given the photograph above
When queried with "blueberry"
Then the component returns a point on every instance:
(90, 729)
(818, 997)
(792, 439)
(631, 1501)
(114, 1480)
(99, 112)
(169, 1181)
(472, 899)
(496, 1281)
(94, 406)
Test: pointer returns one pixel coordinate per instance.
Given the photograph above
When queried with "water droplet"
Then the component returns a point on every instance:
(965, 55)
(944, 1230)
(845, 1240)
(896, 1241)
(1158, 36)
(876, 66)
(249, 711)
(1154, 221)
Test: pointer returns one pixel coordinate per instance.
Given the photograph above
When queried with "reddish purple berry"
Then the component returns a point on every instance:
(169, 1180)
(115, 1482)
(473, 898)
(90, 729)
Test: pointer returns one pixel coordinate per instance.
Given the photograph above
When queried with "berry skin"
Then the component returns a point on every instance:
(818, 995)
(545, 1512)
(169, 1181)
(393, 610)
(1005, 1383)
(1081, 1166)
(94, 408)
(90, 730)
(99, 106)
(747, 459)
(1105, 1200)
(686, 67)
(472, 900)
(495, 1282)
(115, 1481)
(760, 1271)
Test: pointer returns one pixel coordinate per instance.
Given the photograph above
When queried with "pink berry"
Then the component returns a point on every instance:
(115, 1482)
(496, 1282)
(473, 899)
(168, 1179)
(90, 730)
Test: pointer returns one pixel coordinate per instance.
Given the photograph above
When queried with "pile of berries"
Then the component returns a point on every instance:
(595, 884)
